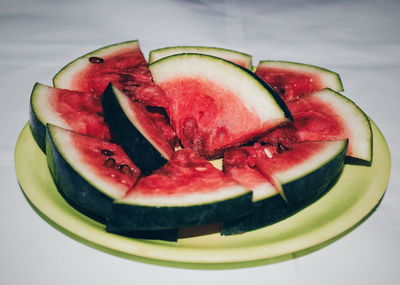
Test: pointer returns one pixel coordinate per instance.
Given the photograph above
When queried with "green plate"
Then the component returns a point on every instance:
(355, 195)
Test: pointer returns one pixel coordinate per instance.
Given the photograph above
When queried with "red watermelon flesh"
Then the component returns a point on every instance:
(160, 118)
(205, 123)
(312, 121)
(185, 174)
(79, 111)
(127, 70)
(105, 160)
(290, 85)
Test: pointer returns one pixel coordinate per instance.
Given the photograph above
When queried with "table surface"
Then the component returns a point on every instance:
(358, 39)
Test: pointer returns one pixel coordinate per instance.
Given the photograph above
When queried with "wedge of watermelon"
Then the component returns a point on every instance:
(292, 80)
(214, 103)
(133, 129)
(78, 111)
(88, 172)
(121, 64)
(187, 191)
(327, 115)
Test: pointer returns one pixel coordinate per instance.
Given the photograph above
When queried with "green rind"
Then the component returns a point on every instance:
(130, 217)
(137, 147)
(201, 50)
(61, 72)
(318, 69)
(78, 192)
(38, 128)
(299, 194)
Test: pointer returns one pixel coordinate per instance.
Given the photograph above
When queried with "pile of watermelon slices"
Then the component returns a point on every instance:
(196, 136)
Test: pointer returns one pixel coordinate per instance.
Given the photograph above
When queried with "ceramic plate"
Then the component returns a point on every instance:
(355, 195)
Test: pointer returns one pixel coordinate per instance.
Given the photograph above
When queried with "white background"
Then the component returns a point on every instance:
(358, 39)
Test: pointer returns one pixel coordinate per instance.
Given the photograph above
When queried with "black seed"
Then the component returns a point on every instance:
(125, 169)
(109, 162)
(95, 59)
(281, 148)
(107, 152)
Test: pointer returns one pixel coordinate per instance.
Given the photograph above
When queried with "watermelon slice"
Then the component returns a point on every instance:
(292, 80)
(187, 191)
(242, 59)
(327, 115)
(214, 103)
(121, 64)
(88, 172)
(134, 130)
(299, 172)
(73, 110)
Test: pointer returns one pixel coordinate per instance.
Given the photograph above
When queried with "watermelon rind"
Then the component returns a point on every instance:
(127, 216)
(302, 186)
(128, 132)
(80, 187)
(329, 78)
(63, 78)
(227, 54)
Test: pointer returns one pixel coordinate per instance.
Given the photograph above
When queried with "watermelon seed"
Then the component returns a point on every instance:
(95, 59)
(125, 169)
(107, 152)
(268, 153)
(109, 162)
(281, 148)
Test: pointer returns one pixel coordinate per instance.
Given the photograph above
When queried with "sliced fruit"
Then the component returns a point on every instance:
(88, 172)
(242, 59)
(122, 64)
(327, 115)
(292, 80)
(187, 191)
(303, 171)
(73, 110)
(133, 129)
(214, 103)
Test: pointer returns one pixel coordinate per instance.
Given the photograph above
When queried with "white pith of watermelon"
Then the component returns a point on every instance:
(214, 103)
(138, 116)
(292, 80)
(73, 110)
(83, 154)
(242, 59)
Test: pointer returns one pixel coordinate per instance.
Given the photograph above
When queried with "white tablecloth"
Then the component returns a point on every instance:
(358, 39)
